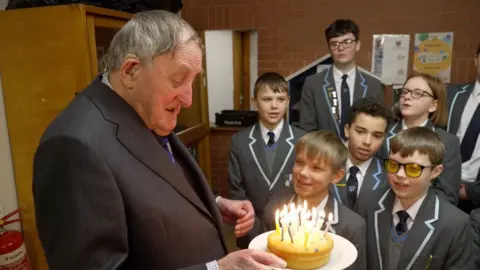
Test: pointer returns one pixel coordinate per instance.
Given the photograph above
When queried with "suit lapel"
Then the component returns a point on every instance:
(397, 127)
(257, 149)
(382, 222)
(332, 207)
(361, 87)
(203, 184)
(331, 98)
(456, 108)
(284, 150)
(421, 231)
(339, 190)
(372, 179)
(142, 144)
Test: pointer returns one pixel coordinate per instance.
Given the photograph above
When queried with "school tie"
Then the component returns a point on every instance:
(471, 135)
(271, 140)
(352, 186)
(402, 224)
(166, 145)
(345, 105)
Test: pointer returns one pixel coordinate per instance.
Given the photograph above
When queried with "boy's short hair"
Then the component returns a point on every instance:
(324, 145)
(272, 80)
(371, 107)
(342, 27)
(421, 139)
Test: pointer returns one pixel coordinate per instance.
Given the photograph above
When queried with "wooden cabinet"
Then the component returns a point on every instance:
(46, 55)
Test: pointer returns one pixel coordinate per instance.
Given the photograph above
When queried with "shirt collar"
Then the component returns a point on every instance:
(412, 210)
(337, 74)
(277, 130)
(105, 80)
(363, 167)
(405, 126)
(476, 89)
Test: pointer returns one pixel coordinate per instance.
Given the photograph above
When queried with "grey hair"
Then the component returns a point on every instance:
(147, 35)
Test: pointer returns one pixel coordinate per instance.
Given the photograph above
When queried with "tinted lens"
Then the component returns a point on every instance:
(392, 166)
(413, 170)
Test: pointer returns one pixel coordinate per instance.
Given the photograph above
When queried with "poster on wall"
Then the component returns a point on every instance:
(390, 57)
(433, 54)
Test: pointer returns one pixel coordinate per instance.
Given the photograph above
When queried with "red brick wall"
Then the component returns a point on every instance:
(290, 33)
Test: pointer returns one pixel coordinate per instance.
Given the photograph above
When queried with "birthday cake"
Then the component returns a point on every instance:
(315, 255)
(300, 239)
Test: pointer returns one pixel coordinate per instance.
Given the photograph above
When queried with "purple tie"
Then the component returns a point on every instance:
(166, 146)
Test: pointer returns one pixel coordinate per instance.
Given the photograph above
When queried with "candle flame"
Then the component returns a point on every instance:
(330, 217)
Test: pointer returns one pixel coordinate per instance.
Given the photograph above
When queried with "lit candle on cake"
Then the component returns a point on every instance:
(320, 221)
(277, 222)
(330, 218)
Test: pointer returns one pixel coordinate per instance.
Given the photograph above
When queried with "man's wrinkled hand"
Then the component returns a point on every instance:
(238, 213)
(249, 259)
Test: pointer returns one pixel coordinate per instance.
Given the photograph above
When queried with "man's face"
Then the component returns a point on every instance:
(365, 136)
(409, 188)
(311, 178)
(271, 106)
(344, 48)
(165, 86)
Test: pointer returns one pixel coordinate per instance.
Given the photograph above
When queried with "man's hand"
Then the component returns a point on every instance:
(238, 213)
(462, 193)
(249, 259)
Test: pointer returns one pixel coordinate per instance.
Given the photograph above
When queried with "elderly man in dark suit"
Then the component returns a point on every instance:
(114, 187)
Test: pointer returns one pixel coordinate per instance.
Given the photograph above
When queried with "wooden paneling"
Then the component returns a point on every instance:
(246, 70)
(237, 70)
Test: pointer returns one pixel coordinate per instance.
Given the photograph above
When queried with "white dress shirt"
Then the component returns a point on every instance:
(277, 131)
(405, 126)
(412, 211)
(361, 173)
(470, 167)
(337, 76)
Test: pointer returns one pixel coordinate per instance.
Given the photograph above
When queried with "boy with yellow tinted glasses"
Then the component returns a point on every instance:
(412, 170)
(411, 227)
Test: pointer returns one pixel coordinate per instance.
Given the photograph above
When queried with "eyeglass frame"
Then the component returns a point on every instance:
(402, 165)
(344, 43)
(400, 92)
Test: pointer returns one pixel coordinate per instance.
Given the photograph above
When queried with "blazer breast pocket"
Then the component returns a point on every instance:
(429, 262)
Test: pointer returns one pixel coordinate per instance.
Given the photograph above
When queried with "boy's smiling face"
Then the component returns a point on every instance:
(311, 178)
(409, 189)
(271, 106)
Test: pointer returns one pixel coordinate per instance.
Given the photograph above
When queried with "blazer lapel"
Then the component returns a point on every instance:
(382, 222)
(331, 98)
(332, 207)
(361, 87)
(421, 231)
(284, 151)
(141, 142)
(397, 127)
(372, 179)
(339, 190)
(257, 149)
(456, 108)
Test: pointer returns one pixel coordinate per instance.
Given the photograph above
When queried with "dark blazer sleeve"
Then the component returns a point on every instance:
(448, 182)
(237, 191)
(473, 192)
(73, 185)
(460, 255)
(308, 113)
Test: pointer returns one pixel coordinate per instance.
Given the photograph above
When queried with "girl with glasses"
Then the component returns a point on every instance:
(422, 102)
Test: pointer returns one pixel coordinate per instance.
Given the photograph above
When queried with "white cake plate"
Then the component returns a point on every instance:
(342, 256)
